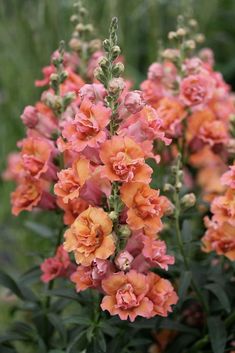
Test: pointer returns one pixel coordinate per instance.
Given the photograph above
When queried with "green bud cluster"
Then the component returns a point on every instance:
(109, 71)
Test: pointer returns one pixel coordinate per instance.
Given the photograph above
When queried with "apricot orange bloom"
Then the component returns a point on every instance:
(82, 278)
(145, 206)
(223, 208)
(87, 129)
(126, 295)
(124, 160)
(72, 209)
(162, 295)
(219, 238)
(228, 178)
(72, 179)
(37, 156)
(90, 236)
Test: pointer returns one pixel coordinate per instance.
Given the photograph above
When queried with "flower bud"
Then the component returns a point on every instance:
(99, 75)
(168, 187)
(89, 28)
(134, 101)
(200, 38)
(95, 45)
(54, 77)
(118, 69)
(80, 27)
(29, 117)
(75, 44)
(123, 260)
(106, 44)
(116, 85)
(181, 32)
(192, 22)
(113, 215)
(188, 200)
(74, 18)
(103, 62)
(190, 44)
(125, 231)
(115, 52)
(172, 35)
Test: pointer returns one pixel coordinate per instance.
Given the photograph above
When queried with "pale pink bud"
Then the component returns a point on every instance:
(134, 101)
(155, 72)
(30, 117)
(123, 260)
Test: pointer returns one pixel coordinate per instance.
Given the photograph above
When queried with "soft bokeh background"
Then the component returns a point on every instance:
(30, 31)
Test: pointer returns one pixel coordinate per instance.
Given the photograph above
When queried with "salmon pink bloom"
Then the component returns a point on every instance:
(213, 132)
(123, 260)
(95, 92)
(30, 117)
(124, 160)
(126, 295)
(223, 208)
(196, 89)
(57, 266)
(82, 278)
(162, 295)
(37, 154)
(29, 194)
(145, 206)
(219, 238)
(228, 178)
(15, 169)
(134, 102)
(90, 236)
(72, 179)
(87, 129)
(72, 209)
(152, 91)
(155, 72)
(155, 252)
(171, 112)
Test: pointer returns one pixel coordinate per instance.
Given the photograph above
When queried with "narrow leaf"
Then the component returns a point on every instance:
(217, 333)
(220, 294)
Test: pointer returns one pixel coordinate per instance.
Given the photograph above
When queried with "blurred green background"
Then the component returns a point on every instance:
(30, 31)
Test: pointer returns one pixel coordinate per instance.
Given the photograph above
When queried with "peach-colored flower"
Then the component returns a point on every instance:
(95, 92)
(219, 238)
(162, 295)
(155, 252)
(134, 101)
(124, 160)
(87, 129)
(146, 206)
(172, 113)
(90, 237)
(72, 209)
(26, 196)
(15, 170)
(196, 89)
(37, 156)
(72, 179)
(223, 208)
(57, 266)
(126, 295)
(213, 132)
(228, 178)
(82, 278)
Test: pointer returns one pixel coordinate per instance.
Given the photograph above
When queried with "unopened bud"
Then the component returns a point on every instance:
(190, 44)
(192, 22)
(75, 44)
(168, 187)
(123, 260)
(103, 62)
(115, 52)
(80, 27)
(200, 38)
(116, 85)
(179, 185)
(118, 69)
(54, 77)
(172, 35)
(188, 200)
(95, 45)
(74, 18)
(89, 28)
(113, 215)
(181, 32)
(99, 75)
(106, 44)
(125, 231)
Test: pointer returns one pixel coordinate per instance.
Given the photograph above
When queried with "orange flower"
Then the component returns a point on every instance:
(36, 156)
(162, 295)
(26, 196)
(171, 112)
(72, 179)
(219, 238)
(146, 207)
(126, 295)
(223, 208)
(124, 160)
(196, 121)
(82, 278)
(72, 209)
(90, 236)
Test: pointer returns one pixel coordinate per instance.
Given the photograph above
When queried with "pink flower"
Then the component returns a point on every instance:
(30, 117)
(57, 266)
(126, 295)
(162, 295)
(15, 170)
(155, 252)
(196, 89)
(123, 260)
(82, 278)
(228, 178)
(95, 92)
(134, 101)
(88, 127)
(155, 72)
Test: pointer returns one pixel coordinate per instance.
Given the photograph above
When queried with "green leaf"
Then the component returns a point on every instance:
(63, 292)
(80, 339)
(31, 276)
(40, 229)
(5, 349)
(220, 294)
(78, 320)
(8, 282)
(100, 339)
(9, 337)
(174, 325)
(58, 325)
(185, 281)
(217, 333)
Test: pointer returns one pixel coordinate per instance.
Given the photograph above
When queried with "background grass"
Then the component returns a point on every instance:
(30, 31)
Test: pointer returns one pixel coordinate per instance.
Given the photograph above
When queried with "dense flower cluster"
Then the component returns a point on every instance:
(86, 152)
